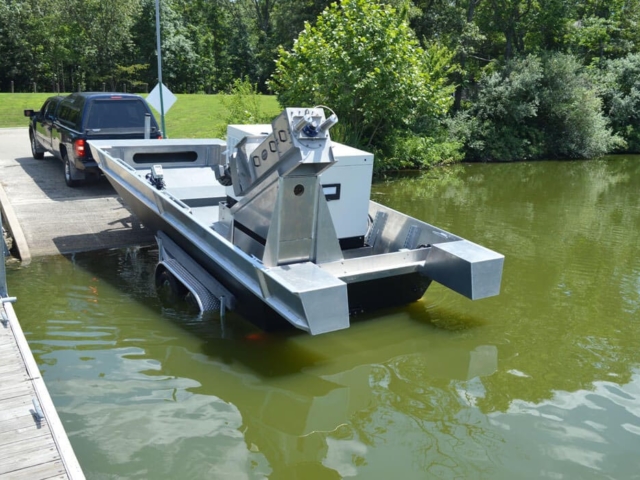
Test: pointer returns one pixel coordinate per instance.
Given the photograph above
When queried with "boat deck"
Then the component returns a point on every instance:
(33, 443)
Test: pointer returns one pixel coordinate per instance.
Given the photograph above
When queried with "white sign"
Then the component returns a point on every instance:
(168, 98)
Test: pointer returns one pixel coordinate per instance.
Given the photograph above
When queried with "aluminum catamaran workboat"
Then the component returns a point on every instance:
(276, 223)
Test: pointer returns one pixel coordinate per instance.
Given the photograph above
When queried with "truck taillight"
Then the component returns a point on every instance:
(79, 147)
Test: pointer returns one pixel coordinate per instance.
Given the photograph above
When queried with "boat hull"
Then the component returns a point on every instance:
(365, 296)
(275, 249)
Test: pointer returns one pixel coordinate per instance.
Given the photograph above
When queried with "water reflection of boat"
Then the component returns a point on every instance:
(278, 223)
(302, 401)
(297, 403)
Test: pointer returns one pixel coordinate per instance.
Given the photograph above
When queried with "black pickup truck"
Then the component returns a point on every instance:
(63, 126)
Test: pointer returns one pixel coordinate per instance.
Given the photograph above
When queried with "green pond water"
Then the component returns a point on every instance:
(542, 381)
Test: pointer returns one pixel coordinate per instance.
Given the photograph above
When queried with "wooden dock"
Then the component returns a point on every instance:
(33, 442)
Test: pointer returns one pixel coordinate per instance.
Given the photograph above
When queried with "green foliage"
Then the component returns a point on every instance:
(388, 67)
(619, 83)
(108, 28)
(24, 28)
(408, 151)
(604, 30)
(498, 124)
(535, 107)
(362, 59)
(243, 105)
(570, 113)
(130, 75)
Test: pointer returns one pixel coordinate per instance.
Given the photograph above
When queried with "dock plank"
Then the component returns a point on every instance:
(10, 368)
(15, 388)
(29, 448)
(27, 460)
(9, 354)
(16, 378)
(46, 471)
(19, 423)
(16, 407)
(25, 433)
(6, 342)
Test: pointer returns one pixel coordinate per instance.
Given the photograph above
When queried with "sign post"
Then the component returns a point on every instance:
(159, 53)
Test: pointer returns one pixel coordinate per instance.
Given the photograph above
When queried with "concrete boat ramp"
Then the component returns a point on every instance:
(44, 217)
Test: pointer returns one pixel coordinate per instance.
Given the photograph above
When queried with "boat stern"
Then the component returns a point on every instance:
(315, 300)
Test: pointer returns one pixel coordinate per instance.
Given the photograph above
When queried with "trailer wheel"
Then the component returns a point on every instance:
(192, 303)
(34, 147)
(168, 285)
(173, 293)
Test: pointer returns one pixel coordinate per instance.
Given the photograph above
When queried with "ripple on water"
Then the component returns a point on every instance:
(566, 434)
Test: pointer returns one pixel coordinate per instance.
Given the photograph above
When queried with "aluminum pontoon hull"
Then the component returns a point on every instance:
(363, 296)
(263, 264)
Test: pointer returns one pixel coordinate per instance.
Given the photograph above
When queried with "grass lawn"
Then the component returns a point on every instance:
(192, 116)
(13, 104)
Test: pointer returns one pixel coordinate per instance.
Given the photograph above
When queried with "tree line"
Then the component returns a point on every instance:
(419, 82)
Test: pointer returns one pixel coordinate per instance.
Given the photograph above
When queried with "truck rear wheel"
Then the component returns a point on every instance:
(34, 147)
(68, 173)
